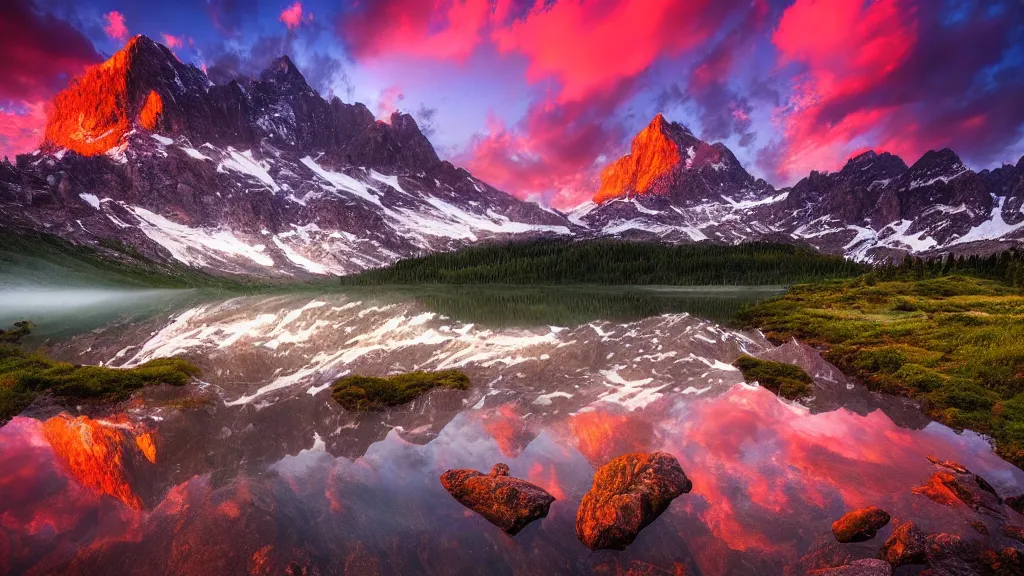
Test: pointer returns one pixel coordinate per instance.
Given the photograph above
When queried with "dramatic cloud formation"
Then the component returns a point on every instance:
(40, 54)
(21, 129)
(292, 16)
(536, 96)
(900, 76)
(115, 27)
(388, 101)
(443, 29)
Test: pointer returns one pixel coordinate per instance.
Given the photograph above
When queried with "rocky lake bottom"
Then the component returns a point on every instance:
(255, 470)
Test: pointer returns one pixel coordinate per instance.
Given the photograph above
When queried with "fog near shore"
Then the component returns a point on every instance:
(49, 305)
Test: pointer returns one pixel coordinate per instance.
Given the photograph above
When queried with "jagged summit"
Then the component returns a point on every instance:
(144, 87)
(258, 175)
(98, 109)
(874, 161)
(667, 160)
(654, 156)
(679, 188)
(283, 72)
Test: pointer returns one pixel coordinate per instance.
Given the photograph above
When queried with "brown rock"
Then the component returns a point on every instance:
(955, 484)
(864, 567)
(508, 503)
(905, 546)
(950, 465)
(628, 493)
(860, 525)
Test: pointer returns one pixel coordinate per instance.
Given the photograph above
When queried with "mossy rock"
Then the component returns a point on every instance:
(786, 380)
(372, 393)
(24, 377)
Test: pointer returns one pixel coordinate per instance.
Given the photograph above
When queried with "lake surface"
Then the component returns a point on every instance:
(255, 470)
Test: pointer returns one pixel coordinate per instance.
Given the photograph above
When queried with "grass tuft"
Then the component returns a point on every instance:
(26, 376)
(786, 380)
(370, 393)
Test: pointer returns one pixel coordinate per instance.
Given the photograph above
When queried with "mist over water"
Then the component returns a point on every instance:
(61, 312)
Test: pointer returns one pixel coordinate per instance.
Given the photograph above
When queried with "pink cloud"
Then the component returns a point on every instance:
(848, 47)
(589, 48)
(21, 131)
(172, 42)
(388, 102)
(292, 16)
(446, 29)
(115, 27)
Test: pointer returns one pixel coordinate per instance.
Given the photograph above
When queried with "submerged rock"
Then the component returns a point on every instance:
(865, 567)
(905, 546)
(949, 555)
(508, 503)
(955, 484)
(1015, 532)
(860, 525)
(1016, 503)
(980, 527)
(628, 493)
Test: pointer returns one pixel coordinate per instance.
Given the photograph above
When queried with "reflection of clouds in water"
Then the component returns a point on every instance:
(553, 403)
(768, 477)
(769, 470)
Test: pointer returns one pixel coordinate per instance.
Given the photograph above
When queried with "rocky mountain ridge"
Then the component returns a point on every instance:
(262, 176)
(257, 176)
(875, 208)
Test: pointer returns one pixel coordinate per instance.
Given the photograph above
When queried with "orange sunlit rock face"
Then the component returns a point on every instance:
(151, 111)
(100, 455)
(647, 169)
(94, 112)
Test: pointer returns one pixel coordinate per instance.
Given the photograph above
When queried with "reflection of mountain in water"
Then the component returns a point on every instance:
(269, 362)
(274, 476)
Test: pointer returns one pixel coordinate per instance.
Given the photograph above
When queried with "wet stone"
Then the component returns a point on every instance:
(860, 525)
(628, 493)
(508, 503)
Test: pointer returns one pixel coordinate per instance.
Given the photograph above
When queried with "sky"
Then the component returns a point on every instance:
(536, 96)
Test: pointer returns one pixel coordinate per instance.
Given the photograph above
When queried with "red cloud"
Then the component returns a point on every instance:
(40, 54)
(292, 16)
(172, 42)
(21, 131)
(848, 47)
(552, 151)
(115, 27)
(590, 48)
(446, 29)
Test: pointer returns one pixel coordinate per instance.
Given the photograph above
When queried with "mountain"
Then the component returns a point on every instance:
(145, 155)
(259, 176)
(676, 187)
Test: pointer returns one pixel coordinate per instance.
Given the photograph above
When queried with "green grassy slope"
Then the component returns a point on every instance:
(955, 342)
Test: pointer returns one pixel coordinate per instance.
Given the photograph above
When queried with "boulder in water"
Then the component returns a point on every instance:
(628, 493)
(508, 503)
(864, 567)
(860, 525)
(905, 546)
